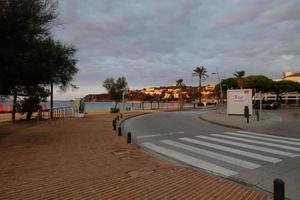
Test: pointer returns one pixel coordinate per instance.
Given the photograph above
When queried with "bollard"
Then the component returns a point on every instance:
(118, 118)
(246, 113)
(119, 131)
(257, 115)
(121, 116)
(128, 138)
(278, 189)
(114, 124)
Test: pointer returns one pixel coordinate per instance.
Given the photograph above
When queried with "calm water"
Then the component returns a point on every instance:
(134, 106)
(107, 105)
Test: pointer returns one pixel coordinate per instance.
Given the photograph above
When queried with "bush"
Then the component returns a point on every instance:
(114, 110)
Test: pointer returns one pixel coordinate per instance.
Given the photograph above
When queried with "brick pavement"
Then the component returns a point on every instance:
(84, 159)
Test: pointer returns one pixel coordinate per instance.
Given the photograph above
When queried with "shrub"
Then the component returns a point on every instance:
(114, 110)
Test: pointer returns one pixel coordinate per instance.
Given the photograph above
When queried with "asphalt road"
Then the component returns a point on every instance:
(250, 158)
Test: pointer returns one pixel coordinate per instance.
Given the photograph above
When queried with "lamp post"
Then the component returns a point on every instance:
(123, 98)
(220, 83)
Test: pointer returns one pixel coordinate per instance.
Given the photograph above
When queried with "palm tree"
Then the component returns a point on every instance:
(239, 75)
(201, 73)
(179, 83)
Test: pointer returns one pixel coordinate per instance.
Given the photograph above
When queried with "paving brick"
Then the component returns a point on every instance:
(84, 159)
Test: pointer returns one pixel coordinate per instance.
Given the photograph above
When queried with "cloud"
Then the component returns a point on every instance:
(155, 42)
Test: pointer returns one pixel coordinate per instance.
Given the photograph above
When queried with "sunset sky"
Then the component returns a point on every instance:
(156, 42)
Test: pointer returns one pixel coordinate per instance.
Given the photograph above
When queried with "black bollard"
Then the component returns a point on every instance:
(129, 138)
(119, 131)
(257, 115)
(121, 116)
(115, 125)
(246, 113)
(118, 118)
(278, 189)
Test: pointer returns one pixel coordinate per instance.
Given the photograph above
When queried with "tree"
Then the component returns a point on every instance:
(29, 57)
(284, 86)
(22, 24)
(179, 83)
(30, 104)
(239, 75)
(202, 74)
(259, 83)
(115, 88)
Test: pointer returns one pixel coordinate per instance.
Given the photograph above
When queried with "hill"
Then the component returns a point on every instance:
(97, 97)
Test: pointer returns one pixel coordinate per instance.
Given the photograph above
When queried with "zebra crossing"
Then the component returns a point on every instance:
(228, 153)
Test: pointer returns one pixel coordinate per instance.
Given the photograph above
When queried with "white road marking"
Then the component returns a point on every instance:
(190, 160)
(217, 156)
(258, 142)
(232, 150)
(159, 135)
(262, 138)
(249, 146)
(269, 136)
(146, 136)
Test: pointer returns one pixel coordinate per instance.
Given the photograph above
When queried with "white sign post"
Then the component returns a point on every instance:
(237, 100)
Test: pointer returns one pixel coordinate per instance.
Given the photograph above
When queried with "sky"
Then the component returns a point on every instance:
(156, 42)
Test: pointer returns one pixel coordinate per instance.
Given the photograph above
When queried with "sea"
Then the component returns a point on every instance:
(107, 105)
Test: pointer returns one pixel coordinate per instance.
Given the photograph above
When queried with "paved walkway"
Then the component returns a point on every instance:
(277, 122)
(84, 159)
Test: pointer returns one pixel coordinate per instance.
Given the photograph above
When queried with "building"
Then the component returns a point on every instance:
(291, 76)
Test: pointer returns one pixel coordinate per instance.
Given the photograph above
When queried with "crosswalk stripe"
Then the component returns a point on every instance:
(269, 136)
(262, 138)
(190, 160)
(217, 156)
(249, 146)
(232, 150)
(147, 136)
(258, 142)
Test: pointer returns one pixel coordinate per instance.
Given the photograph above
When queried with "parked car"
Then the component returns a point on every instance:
(266, 104)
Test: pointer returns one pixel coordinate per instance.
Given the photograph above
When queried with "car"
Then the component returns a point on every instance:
(266, 105)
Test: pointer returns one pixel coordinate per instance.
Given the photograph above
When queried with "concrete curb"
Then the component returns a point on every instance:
(220, 124)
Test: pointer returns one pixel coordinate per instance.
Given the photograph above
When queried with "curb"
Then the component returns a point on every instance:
(220, 124)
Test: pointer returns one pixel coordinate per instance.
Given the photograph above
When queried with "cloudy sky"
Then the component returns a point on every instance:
(156, 42)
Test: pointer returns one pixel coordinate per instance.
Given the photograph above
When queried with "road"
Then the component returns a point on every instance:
(247, 157)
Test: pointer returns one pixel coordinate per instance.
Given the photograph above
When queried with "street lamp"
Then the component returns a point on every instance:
(123, 97)
(221, 85)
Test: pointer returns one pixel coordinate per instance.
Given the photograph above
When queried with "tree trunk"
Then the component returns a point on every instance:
(14, 107)
(51, 100)
(29, 114)
(200, 90)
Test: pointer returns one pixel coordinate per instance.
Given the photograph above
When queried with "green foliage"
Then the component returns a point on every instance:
(239, 75)
(115, 88)
(259, 82)
(200, 72)
(30, 104)
(22, 24)
(114, 110)
(29, 56)
(53, 61)
(285, 86)
(179, 82)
